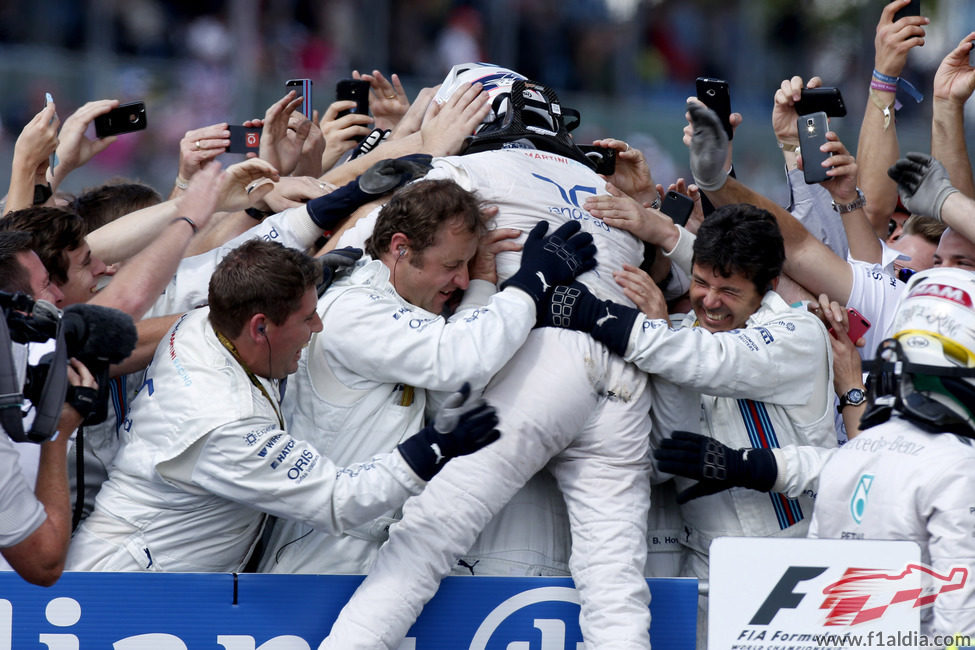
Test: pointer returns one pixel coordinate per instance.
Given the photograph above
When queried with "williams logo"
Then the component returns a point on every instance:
(511, 620)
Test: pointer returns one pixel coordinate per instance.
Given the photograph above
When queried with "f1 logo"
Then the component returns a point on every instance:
(252, 139)
(783, 596)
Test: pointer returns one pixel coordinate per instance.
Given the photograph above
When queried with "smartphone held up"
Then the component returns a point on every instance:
(303, 88)
(356, 90)
(812, 135)
(714, 94)
(122, 119)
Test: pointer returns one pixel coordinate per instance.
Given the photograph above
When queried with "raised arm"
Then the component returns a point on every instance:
(74, 148)
(954, 83)
(877, 148)
(808, 260)
(36, 142)
(925, 189)
(442, 134)
(142, 279)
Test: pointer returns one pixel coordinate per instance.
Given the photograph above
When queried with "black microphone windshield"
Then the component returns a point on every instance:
(94, 333)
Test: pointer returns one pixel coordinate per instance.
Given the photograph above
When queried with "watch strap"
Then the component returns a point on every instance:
(852, 397)
(855, 204)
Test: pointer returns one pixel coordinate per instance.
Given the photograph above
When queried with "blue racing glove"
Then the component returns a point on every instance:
(574, 307)
(461, 426)
(716, 466)
(552, 260)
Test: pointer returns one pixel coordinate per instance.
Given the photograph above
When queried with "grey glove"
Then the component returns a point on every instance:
(922, 183)
(386, 175)
(709, 148)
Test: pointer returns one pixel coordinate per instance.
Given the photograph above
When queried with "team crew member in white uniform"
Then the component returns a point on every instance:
(759, 375)
(205, 454)
(907, 475)
(356, 400)
(924, 189)
(564, 400)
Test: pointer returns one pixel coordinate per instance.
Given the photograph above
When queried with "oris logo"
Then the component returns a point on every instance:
(523, 616)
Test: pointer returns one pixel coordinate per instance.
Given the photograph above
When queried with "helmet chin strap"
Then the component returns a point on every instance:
(891, 387)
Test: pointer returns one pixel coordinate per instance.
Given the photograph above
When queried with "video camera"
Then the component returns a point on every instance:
(96, 336)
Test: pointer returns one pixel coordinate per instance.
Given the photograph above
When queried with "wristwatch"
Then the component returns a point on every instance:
(855, 204)
(852, 397)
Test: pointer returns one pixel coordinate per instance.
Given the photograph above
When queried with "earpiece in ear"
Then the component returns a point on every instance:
(262, 329)
(402, 251)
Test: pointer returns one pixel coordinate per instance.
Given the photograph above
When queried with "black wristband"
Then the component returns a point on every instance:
(42, 192)
(257, 215)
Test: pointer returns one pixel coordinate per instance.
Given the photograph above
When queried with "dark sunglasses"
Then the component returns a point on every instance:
(905, 274)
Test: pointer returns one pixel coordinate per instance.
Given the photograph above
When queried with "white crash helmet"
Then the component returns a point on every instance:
(935, 327)
(523, 112)
(497, 82)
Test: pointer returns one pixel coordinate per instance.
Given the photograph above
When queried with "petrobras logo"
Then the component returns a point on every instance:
(943, 291)
(528, 614)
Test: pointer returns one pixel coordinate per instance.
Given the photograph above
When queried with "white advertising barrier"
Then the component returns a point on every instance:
(793, 594)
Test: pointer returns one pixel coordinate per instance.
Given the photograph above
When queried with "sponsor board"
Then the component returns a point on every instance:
(172, 611)
(772, 594)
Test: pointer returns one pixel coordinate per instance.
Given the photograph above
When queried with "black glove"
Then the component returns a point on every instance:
(716, 466)
(552, 260)
(462, 426)
(574, 307)
(922, 183)
(385, 176)
(334, 263)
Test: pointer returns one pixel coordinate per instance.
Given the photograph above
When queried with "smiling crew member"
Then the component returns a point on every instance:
(204, 453)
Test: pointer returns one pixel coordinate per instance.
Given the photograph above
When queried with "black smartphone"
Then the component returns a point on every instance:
(356, 90)
(303, 88)
(812, 134)
(829, 100)
(677, 206)
(123, 119)
(714, 94)
(244, 139)
(603, 157)
(912, 9)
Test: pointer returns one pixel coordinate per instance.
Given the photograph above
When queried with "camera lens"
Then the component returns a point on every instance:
(711, 92)
(810, 122)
